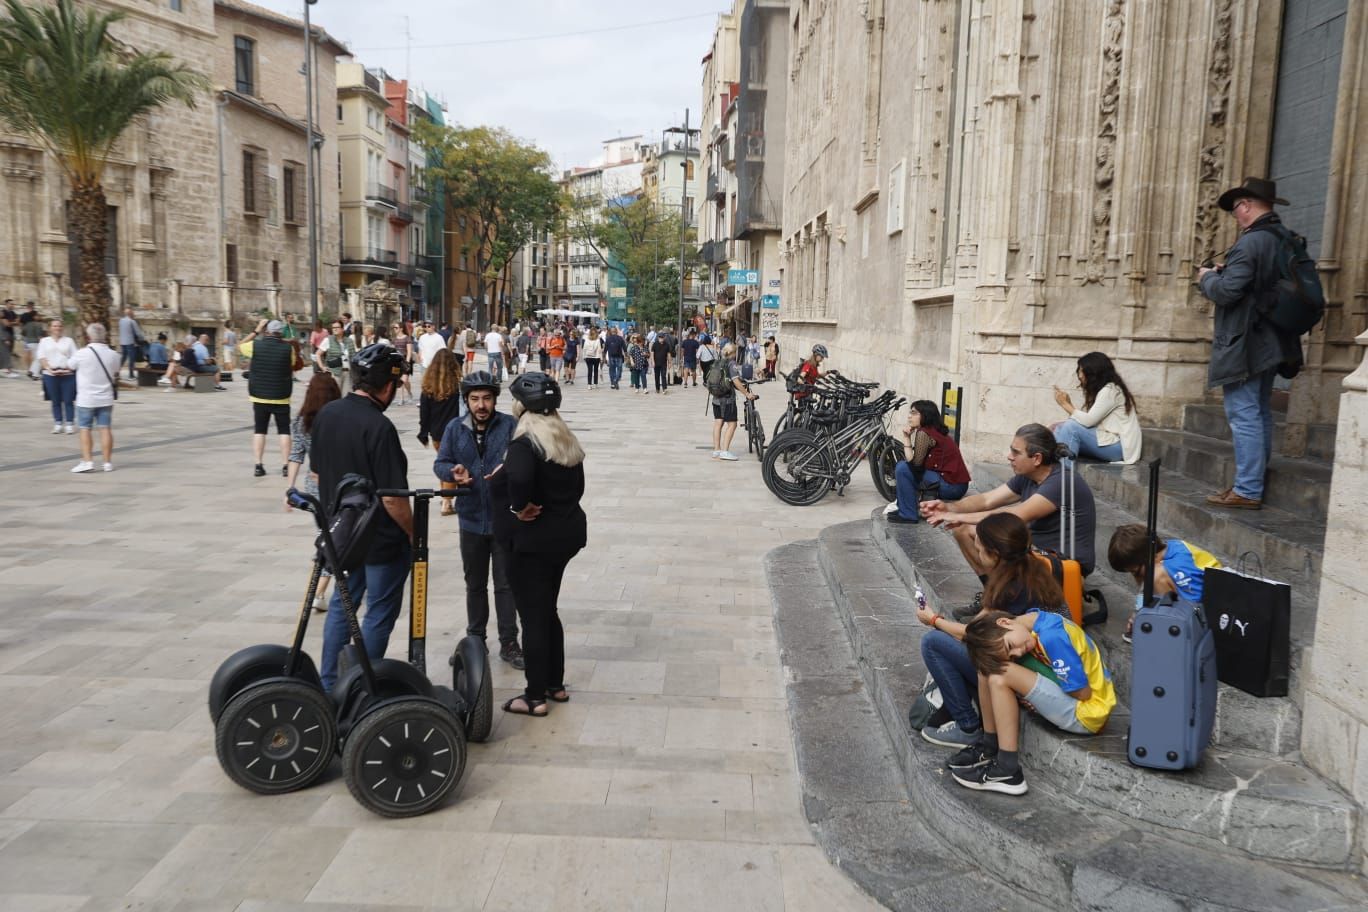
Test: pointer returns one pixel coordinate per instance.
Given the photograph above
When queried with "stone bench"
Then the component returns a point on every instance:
(148, 376)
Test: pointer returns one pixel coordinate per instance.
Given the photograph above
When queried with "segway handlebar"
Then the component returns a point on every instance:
(307, 502)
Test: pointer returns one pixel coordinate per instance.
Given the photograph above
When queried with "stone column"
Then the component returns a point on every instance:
(173, 294)
(1335, 704)
(226, 298)
(273, 299)
(116, 293)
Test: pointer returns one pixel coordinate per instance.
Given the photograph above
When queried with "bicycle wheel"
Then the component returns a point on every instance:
(759, 435)
(784, 423)
(883, 465)
(796, 469)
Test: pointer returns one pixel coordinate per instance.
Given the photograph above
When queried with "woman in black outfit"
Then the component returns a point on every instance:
(440, 403)
(542, 479)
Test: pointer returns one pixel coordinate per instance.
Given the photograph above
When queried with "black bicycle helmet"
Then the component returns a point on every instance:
(820, 349)
(479, 380)
(537, 392)
(377, 365)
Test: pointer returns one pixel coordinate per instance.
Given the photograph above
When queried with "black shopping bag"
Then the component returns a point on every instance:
(1251, 618)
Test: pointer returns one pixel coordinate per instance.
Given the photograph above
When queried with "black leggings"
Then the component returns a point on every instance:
(661, 381)
(593, 365)
(536, 581)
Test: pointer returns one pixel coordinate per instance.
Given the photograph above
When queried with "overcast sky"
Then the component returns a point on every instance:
(565, 93)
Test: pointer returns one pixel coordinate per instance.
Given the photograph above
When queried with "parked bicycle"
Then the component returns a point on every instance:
(755, 430)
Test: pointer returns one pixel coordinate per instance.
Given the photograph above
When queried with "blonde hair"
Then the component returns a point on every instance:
(728, 352)
(550, 435)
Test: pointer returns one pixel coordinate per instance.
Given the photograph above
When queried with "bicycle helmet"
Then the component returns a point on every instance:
(377, 365)
(537, 392)
(820, 349)
(479, 380)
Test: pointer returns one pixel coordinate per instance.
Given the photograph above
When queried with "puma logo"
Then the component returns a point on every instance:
(1243, 625)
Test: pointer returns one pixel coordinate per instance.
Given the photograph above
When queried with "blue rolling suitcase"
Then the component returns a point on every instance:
(1173, 674)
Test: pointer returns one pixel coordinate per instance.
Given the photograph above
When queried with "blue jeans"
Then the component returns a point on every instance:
(130, 357)
(1083, 442)
(61, 391)
(614, 372)
(909, 482)
(496, 367)
(385, 583)
(948, 662)
(1249, 409)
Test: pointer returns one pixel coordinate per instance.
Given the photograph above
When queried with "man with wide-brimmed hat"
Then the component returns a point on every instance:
(1246, 350)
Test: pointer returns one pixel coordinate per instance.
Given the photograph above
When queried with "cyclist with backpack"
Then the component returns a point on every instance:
(723, 380)
(1266, 295)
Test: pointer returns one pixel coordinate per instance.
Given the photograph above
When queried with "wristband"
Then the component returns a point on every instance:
(935, 618)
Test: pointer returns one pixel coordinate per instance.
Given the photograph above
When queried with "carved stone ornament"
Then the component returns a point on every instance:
(1211, 170)
(1104, 165)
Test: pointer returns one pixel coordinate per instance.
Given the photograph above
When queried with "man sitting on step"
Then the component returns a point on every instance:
(1034, 494)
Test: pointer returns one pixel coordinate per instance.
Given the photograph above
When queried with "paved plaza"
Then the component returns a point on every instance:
(667, 783)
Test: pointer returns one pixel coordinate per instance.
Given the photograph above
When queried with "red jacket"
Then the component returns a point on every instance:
(945, 458)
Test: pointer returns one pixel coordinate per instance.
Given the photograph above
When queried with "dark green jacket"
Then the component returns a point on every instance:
(272, 375)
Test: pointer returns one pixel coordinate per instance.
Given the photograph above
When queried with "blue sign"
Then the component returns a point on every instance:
(769, 301)
(743, 277)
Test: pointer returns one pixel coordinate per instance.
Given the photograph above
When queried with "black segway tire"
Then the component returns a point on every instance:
(404, 757)
(471, 680)
(247, 666)
(393, 679)
(276, 736)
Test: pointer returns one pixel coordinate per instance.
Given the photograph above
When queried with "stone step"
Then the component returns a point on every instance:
(1210, 421)
(1047, 848)
(1228, 800)
(1243, 722)
(1300, 486)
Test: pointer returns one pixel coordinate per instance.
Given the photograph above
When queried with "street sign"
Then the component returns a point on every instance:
(743, 277)
(770, 301)
(773, 283)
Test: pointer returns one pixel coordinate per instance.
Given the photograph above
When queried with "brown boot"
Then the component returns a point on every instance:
(1228, 498)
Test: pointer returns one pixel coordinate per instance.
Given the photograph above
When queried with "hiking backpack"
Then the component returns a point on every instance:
(1296, 303)
(716, 379)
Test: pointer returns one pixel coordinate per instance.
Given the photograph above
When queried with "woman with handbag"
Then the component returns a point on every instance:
(541, 481)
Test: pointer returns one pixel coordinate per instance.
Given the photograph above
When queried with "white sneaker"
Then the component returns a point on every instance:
(109, 466)
(716, 453)
(69, 429)
(891, 508)
(83, 467)
(727, 456)
(56, 429)
(163, 382)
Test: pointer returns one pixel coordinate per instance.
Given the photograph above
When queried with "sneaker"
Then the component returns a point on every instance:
(716, 453)
(56, 429)
(163, 382)
(899, 519)
(891, 508)
(109, 466)
(83, 467)
(967, 612)
(259, 471)
(970, 758)
(950, 735)
(512, 654)
(69, 429)
(992, 778)
(727, 456)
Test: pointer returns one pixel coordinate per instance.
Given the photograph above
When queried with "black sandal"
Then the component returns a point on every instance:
(531, 704)
(564, 695)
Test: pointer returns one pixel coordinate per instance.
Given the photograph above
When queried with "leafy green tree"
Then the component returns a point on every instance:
(70, 86)
(505, 186)
(642, 243)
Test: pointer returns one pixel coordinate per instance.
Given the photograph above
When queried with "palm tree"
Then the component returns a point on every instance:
(70, 86)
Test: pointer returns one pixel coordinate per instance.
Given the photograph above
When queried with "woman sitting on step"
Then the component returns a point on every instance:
(1107, 427)
(931, 461)
(1018, 583)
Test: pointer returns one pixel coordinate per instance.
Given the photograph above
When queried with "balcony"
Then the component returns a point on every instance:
(728, 153)
(715, 188)
(405, 272)
(422, 196)
(427, 263)
(403, 212)
(368, 258)
(383, 194)
(759, 212)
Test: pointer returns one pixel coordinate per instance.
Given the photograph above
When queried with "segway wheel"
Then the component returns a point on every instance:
(276, 737)
(404, 758)
(479, 717)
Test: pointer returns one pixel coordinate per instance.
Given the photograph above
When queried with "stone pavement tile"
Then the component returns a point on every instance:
(625, 726)
(265, 905)
(561, 725)
(777, 794)
(282, 863)
(572, 819)
(528, 783)
(569, 874)
(628, 677)
(750, 681)
(12, 829)
(724, 729)
(9, 794)
(239, 806)
(693, 679)
(29, 902)
(59, 768)
(812, 884)
(469, 815)
(705, 877)
(131, 904)
(83, 857)
(769, 827)
(110, 801)
(728, 791)
(446, 869)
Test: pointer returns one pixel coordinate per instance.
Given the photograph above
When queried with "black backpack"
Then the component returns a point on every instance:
(351, 523)
(1296, 303)
(189, 361)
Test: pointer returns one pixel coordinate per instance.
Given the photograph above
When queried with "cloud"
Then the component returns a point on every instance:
(566, 94)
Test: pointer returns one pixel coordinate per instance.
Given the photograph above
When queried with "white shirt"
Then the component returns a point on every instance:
(93, 387)
(1113, 425)
(493, 343)
(58, 352)
(429, 344)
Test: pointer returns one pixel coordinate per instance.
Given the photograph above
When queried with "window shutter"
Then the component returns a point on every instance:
(301, 203)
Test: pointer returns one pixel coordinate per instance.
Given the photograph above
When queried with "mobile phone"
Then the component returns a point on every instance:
(920, 597)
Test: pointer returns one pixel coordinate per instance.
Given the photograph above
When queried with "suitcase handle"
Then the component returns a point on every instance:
(1152, 528)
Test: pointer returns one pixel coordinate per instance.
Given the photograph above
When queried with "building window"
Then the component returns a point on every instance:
(244, 54)
(275, 272)
(177, 6)
(289, 178)
(897, 189)
(249, 187)
(230, 263)
(339, 113)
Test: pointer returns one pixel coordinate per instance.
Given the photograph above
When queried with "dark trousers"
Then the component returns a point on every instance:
(477, 553)
(593, 365)
(130, 357)
(536, 582)
(661, 381)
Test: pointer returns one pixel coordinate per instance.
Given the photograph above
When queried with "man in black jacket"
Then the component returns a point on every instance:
(270, 386)
(1246, 350)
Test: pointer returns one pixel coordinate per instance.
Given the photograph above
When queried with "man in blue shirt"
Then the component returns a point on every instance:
(616, 351)
(130, 334)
